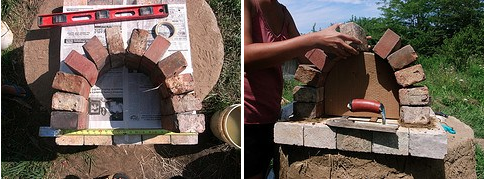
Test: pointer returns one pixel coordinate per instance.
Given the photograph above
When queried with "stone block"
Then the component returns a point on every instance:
(308, 94)
(308, 110)
(71, 83)
(75, 140)
(96, 52)
(410, 75)
(184, 122)
(156, 139)
(180, 84)
(115, 46)
(172, 65)
(403, 57)
(127, 139)
(320, 60)
(416, 96)
(184, 139)
(98, 140)
(390, 143)
(415, 115)
(319, 135)
(136, 48)
(388, 43)
(69, 102)
(180, 103)
(428, 143)
(354, 140)
(80, 65)
(309, 75)
(289, 133)
(68, 120)
(354, 30)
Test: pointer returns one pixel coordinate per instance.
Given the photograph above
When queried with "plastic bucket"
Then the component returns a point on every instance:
(225, 125)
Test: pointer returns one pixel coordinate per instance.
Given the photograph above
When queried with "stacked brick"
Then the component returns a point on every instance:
(178, 100)
(414, 100)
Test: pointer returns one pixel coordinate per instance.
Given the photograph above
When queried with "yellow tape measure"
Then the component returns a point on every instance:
(120, 132)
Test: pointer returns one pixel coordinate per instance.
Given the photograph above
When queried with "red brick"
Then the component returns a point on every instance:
(154, 54)
(410, 75)
(82, 66)
(308, 110)
(71, 83)
(136, 48)
(414, 96)
(69, 102)
(180, 84)
(388, 43)
(414, 115)
(184, 139)
(184, 122)
(308, 94)
(68, 120)
(96, 52)
(309, 75)
(356, 31)
(180, 103)
(403, 57)
(319, 59)
(115, 44)
(172, 65)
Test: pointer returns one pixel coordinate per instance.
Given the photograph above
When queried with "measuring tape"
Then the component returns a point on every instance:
(103, 15)
(50, 132)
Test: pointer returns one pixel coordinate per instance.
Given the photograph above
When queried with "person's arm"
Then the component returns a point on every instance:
(293, 32)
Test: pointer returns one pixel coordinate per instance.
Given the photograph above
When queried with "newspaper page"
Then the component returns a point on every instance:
(122, 97)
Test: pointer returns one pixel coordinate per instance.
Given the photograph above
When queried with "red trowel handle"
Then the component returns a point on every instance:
(365, 105)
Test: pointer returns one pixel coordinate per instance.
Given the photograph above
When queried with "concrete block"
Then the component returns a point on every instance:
(428, 143)
(403, 57)
(180, 84)
(98, 140)
(71, 83)
(156, 139)
(68, 120)
(308, 94)
(136, 48)
(415, 115)
(80, 65)
(172, 65)
(309, 75)
(185, 139)
(308, 110)
(184, 122)
(75, 140)
(180, 103)
(410, 75)
(388, 43)
(115, 46)
(417, 96)
(289, 133)
(319, 135)
(127, 139)
(354, 30)
(390, 143)
(320, 60)
(69, 102)
(354, 140)
(96, 52)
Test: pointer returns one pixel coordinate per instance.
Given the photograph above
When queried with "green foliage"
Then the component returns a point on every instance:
(24, 169)
(479, 162)
(289, 85)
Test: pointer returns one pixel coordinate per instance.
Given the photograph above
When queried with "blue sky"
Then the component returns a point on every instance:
(326, 12)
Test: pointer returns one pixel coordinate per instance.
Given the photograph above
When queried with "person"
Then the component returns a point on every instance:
(271, 38)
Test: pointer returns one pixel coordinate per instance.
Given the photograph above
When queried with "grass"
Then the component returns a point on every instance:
(479, 162)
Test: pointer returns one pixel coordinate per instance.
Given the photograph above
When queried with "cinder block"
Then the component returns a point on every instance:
(356, 31)
(428, 143)
(390, 143)
(71, 83)
(153, 55)
(354, 140)
(80, 65)
(69, 102)
(309, 75)
(415, 115)
(68, 120)
(95, 51)
(308, 94)
(410, 75)
(136, 48)
(180, 103)
(75, 140)
(387, 44)
(184, 122)
(185, 139)
(98, 140)
(156, 139)
(403, 57)
(319, 135)
(180, 84)
(308, 110)
(320, 60)
(172, 65)
(417, 96)
(289, 133)
(127, 139)
(115, 45)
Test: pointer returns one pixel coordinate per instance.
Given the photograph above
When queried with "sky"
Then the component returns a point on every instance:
(326, 12)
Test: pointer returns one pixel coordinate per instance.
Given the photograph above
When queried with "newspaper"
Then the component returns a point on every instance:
(122, 98)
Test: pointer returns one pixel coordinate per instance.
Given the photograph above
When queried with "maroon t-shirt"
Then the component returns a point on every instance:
(263, 88)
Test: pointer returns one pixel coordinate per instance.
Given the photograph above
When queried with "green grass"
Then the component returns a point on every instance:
(479, 162)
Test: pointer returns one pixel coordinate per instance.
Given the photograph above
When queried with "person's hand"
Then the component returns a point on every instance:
(333, 42)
